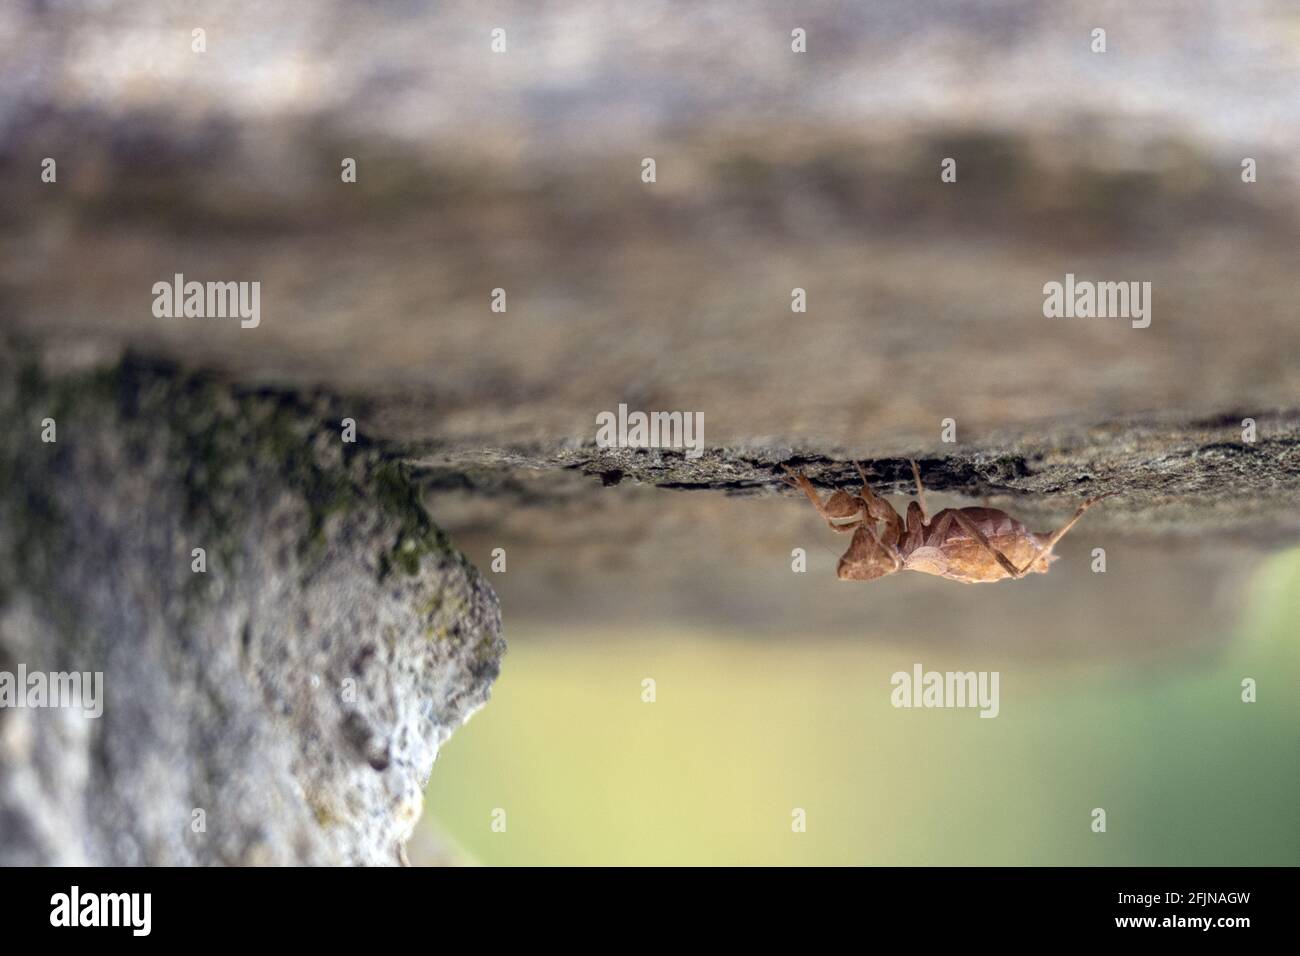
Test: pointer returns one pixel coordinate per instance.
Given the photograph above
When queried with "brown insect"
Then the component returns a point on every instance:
(972, 545)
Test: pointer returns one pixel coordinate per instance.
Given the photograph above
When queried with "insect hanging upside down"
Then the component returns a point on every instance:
(972, 545)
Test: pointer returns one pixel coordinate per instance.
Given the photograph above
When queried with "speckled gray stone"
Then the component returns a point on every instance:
(292, 699)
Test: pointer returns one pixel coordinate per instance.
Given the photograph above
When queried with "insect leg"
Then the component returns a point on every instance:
(798, 481)
(920, 492)
(870, 528)
(915, 532)
(866, 488)
(839, 511)
(878, 509)
(889, 552)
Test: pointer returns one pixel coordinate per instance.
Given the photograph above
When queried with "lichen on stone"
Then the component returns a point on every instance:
(291, 691)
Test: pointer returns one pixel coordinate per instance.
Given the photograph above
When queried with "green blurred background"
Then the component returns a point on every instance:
(744, 731)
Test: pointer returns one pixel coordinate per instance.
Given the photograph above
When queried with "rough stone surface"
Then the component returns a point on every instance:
(775, 172)
(296, 693)
(1170, 475)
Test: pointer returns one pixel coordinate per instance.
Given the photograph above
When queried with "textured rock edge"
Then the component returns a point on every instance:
(287, 705)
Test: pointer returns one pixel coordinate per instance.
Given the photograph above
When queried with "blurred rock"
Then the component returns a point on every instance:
(776, 171)
(292, 698)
